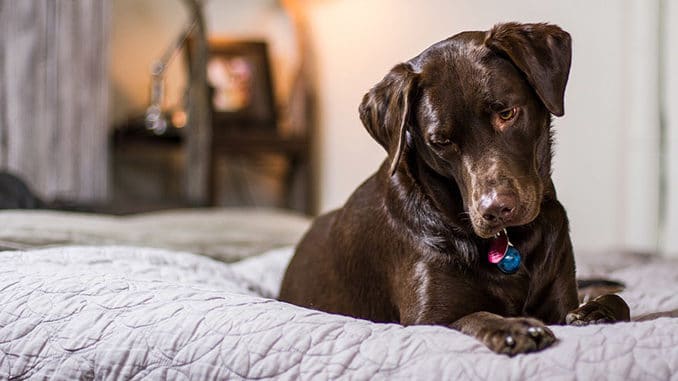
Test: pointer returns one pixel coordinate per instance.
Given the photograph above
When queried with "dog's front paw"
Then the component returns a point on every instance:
(513, 336)
(604, 309)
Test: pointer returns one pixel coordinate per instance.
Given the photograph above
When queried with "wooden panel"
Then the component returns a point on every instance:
(25, 28)
(54, 96)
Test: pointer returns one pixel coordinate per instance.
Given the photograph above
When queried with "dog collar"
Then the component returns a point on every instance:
(504, 254)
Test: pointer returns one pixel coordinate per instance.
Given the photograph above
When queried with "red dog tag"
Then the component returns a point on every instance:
(498, 248)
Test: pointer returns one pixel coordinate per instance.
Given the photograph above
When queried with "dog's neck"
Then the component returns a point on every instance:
(443, 194)
(434, 209)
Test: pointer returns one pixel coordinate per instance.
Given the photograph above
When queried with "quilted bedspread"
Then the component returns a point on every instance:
(118, 313)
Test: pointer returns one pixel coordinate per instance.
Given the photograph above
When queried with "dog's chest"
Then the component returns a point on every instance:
(478, 286)
(510, 292)
(507, 294)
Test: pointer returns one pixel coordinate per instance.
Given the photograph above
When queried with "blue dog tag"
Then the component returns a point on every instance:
(511, 261)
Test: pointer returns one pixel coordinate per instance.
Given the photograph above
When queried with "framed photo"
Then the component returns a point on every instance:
(241, 88)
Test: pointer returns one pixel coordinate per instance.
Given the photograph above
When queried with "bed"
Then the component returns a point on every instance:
(189, 309)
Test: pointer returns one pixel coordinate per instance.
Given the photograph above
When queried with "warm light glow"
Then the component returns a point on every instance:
(179, 119)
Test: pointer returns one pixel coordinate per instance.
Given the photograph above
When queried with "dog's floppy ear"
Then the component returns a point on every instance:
(385, 110)
(543, 52)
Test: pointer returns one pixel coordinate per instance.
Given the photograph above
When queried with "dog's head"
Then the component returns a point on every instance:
(476, 109)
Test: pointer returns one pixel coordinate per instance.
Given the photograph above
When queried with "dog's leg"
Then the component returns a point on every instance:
(510, 336)
(603, 309)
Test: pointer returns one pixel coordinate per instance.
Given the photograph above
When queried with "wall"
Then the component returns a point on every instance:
(606, 161)
(670, 106)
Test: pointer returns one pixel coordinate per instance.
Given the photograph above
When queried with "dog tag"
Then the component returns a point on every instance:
(498, 248)
(511, 261)
(504, 254)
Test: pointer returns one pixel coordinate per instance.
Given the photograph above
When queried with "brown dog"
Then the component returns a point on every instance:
(466, 125)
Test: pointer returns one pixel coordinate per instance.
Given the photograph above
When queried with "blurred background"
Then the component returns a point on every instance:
(133, 105)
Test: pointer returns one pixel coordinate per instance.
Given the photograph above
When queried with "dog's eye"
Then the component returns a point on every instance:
(441, 141)
(507, 114)
(444, 144)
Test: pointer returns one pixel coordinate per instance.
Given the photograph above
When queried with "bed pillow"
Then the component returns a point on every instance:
(224, 234)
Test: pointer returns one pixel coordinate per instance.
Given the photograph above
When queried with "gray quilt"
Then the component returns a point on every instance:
(119, 313)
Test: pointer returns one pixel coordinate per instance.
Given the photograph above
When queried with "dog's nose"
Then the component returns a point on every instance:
(497, 207)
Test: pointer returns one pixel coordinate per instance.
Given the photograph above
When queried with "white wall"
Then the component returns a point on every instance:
(670, 244)
(357, 41)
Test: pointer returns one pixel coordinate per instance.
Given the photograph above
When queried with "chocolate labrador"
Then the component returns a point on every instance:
(460, 226)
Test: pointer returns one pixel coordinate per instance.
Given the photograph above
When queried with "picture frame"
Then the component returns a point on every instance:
(241, 86)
